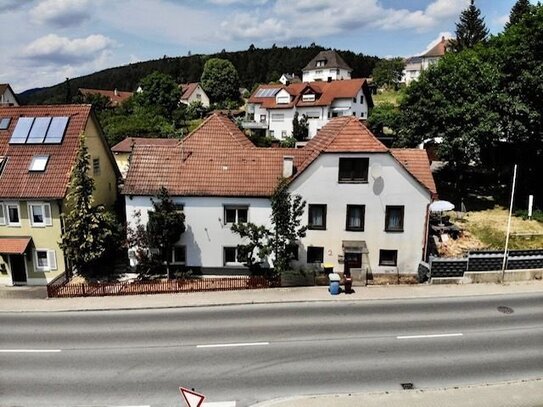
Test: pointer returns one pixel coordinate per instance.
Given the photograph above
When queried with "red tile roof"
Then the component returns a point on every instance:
(188, 89)
(116, 96)
(13, 245)
(16, 181)
(217, 159)
(439, 49)
(326, 93)
(125, 146)
(417, 163)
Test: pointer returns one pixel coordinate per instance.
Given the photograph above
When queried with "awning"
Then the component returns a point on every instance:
(339, 109)
(14, 245)
(355, 246)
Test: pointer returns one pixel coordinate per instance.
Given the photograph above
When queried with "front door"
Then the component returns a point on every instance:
(18, 268)
(352, 261)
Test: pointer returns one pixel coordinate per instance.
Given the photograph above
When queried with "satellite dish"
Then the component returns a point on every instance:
(376, 170)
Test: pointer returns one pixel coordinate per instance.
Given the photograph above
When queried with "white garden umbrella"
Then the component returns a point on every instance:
(441, 206)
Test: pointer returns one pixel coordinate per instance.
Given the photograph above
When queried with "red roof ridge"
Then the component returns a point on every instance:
(239, 138)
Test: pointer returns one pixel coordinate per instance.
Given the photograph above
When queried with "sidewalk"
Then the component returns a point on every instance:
(527, 393)
(31, 299)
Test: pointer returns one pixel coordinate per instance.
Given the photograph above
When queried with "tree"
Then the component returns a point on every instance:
(196, 110)
(90, 233)
(165, 226)
(286, 230)
(299, 127)
(470, 30)
(220, 80)
(388, 72)
(519, 10)
(160, 93)
(384, 119)
(98, 101)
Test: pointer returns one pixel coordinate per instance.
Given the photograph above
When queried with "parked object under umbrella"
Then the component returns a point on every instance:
(441, 206)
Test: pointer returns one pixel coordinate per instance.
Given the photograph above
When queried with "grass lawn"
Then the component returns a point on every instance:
(390, 96)
(487, 229)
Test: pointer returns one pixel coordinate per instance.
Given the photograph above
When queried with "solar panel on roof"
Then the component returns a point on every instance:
(4, 123)
(22, 128)
(55, 134)
(38, 131)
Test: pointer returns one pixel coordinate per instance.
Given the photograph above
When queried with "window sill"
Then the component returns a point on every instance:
(316, 227)
(352, 182)
(394, 231)
(353, 230)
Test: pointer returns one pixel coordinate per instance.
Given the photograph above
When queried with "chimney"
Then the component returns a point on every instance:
(442, 38)
(329, 79)
(288, 166)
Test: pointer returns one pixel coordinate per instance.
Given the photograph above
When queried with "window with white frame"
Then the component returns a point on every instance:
(38, 163)
(40, 214)
(277, 117)
(179, 255)
(12, 214)
(313, 115)
(2, 215)
(308, 97)
(236, 214)
(45, 260)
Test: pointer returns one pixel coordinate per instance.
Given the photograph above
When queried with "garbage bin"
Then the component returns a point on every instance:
(348, 284)
(334, 283)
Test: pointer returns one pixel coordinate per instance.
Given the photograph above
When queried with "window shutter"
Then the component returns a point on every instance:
(52, 259)
(47, 215)
(2, 217)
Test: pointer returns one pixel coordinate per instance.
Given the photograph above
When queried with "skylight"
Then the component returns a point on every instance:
(39, 162)
(267, 93)
(39, 130)
(4, 123)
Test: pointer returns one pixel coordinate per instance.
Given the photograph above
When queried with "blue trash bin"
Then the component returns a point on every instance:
(334, 283)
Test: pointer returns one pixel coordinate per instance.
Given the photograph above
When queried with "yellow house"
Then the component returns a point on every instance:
(38, 149)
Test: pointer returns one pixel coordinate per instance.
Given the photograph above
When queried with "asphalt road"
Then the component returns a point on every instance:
(245, 354)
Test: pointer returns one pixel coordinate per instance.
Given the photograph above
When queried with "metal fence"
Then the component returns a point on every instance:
(63, 288)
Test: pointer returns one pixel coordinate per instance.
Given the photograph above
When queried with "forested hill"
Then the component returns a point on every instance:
(255, 65)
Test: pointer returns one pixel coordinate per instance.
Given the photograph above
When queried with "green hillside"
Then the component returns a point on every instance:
(255, 65)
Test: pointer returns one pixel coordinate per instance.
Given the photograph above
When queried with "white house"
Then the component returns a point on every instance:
(326, 66)
(271, 108)
(415, 65)
(288, 78)
(366, 204)
(193, 92)
(7, 96)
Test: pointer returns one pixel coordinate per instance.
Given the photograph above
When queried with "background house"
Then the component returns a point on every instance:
(7, 96)
(38, 149)
(193, 92)
(415, 65)
(326, 66)
(271, 108)
(367, 204)
(115, 96)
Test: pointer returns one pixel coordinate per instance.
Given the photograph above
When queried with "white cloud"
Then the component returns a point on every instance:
(10, 5)
(61, 13)
(242, 2)
(56, 50)
(321, 18)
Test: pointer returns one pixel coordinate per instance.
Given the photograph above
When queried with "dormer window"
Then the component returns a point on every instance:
(282, 99)
(308, 97)
(321, 63)
(38, 163)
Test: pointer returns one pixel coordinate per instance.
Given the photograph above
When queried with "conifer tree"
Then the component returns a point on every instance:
(470, 30)
(519, 10)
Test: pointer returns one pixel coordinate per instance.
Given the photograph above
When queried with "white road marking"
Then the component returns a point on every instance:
(232, 345)
(429, 336)
(30, 350)
(220, 404)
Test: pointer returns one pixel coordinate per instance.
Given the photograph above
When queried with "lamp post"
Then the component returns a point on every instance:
(509, 224)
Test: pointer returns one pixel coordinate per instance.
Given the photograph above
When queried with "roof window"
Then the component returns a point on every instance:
(38, 163)
(3, 162)
(39, 130)
(4, 123)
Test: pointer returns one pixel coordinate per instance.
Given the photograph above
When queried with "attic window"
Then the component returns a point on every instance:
(39, 162)
(321, 62)
(308, 97)
(4, 123)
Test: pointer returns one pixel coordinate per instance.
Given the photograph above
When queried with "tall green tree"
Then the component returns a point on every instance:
(90, 233)
(165, 226)
(220, 80)
(286, 230)
(159, 93)
(388, 72)
(470, 30)
(383, 119)
(519, 10)
(300, 127)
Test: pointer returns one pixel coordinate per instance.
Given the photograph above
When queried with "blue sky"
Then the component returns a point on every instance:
(45, 41)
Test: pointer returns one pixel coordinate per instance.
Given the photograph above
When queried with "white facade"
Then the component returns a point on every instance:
(198, 95)
(207, 233)
(319, 184)
(325, 74)
(8, 98)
